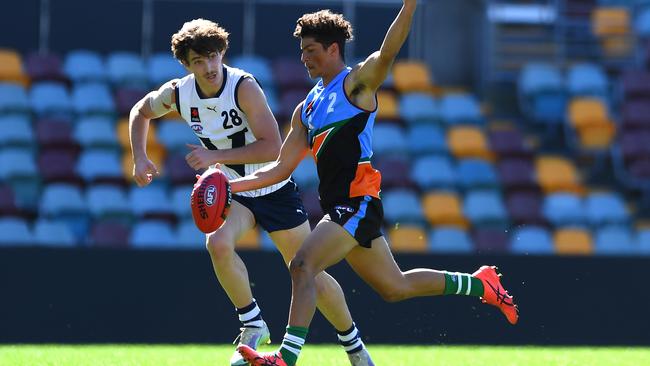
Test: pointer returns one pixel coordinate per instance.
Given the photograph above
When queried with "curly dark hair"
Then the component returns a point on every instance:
(201, 35)
(326, 28)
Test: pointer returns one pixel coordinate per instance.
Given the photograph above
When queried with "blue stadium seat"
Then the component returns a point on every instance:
(306, 174)
(434, 171)
(152, 234)
(450, 240)
(181, 201)
(16, 131)
(13, 99)
(539, 78)
(272, 100)
(96, 132)
(99, 165)
(174, 134)
(614, 240)
(258, 66)
(485, 208)
(93, 98)
(108, 201)
(418, 107)
(150, 200)
(389, 139)
(189, 236)
(53, 233)
(65, 202)
(606, 208)
(587, 79)
(549, 108)
(126, 69)
(643, 241)
(84, 65)
(163, 67)
(460, 109)
(402, 206)
(50, 99)
(564, 209)
(476, 173)
(426, 138)
(15, 232)
(642, 22)
(531, 240)
(17, 163)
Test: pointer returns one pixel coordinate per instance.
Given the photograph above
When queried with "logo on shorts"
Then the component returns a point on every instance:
(209, 195)
(194, 115)
(197, 128)
(342, 209)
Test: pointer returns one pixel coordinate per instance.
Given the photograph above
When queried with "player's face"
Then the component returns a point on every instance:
(314, 56)
(205, 68)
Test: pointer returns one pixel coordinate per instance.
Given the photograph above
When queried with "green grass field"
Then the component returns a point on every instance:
(318, 355)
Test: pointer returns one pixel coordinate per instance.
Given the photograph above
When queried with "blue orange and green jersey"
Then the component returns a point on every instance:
(340, 139)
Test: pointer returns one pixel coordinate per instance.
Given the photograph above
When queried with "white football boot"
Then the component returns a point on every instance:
(360, 358)
(252, 337)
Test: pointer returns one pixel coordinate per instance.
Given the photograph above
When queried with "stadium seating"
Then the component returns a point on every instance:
(93, 98)
(557, 174)
(410, 76)
(44, 66)
(162, 67)
(99, 165)
(16, 131)
(401, 206)
(388, 107)
(573, 241)
(606, 208)
(418, 108)
(151, 201)
(50, 99)
(126, 69)
(587, 79)
(450, 240)
(564, 209)
(614, 239)
(531, 240)
(491, 240)
(305, 174)
(11, 67)
(258, 66)
(389, 139)
(485, 208)
(95, 132)
(434, 171)
(15, 231)
(109, 234)
(460, 109)
(13, 99)
(108, 201)
(476, 173)
(188, 236)
(53, 233)
(84, 66)
(152, 234)
(468, 142)
(408, 238)
(181, 201)
(426, 138)
(394, 171)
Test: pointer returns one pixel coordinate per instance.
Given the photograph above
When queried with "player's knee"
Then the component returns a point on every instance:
(299, 268)
(218, 247)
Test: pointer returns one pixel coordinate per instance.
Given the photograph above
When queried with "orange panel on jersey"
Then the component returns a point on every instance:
(367, 181)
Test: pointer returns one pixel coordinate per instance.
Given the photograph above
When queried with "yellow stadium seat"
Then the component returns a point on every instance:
(250, 240)
(411, 76)
(609, 21)
(442, 208)
(11, 67)
(573, 241)
(587, 111)
(468, 142)
(123, 133)
(408, 238)
(387, 105)
(557, 174)
(597, 136)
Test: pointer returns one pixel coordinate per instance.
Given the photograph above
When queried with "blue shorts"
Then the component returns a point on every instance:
(279, 210)
(362, 217)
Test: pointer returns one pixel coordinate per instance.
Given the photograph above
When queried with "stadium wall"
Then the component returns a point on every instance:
(83, 295)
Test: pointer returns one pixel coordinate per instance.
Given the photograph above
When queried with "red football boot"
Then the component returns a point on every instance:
(495, 294)
(255, 358)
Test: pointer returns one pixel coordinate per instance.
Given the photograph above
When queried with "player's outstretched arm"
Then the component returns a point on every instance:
(263, 126)
(372, 72)
(153, 105)
(292, 152)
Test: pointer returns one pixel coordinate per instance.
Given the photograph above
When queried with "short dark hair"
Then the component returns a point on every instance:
(201, 35)
(326, 28)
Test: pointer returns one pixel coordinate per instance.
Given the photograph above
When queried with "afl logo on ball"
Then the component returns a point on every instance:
(209, 195)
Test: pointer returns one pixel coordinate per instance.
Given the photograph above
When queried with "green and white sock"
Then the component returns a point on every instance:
(462, 284)
(292, 343)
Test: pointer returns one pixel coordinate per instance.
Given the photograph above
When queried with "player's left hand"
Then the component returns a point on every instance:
(199, 157)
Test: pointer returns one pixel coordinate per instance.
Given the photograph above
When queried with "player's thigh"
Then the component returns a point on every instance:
(326, 245)
(376, 265)
(240, 219)
(289, 241)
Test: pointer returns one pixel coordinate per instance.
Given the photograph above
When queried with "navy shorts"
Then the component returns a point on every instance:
(279, 210)
(362, 217)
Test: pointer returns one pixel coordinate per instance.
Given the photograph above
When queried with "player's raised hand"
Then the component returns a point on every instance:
(199, 157)
(144, 171)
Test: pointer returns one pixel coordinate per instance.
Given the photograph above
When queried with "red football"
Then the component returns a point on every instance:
(210, 200)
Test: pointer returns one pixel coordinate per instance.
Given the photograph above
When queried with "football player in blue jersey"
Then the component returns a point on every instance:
(335, 123)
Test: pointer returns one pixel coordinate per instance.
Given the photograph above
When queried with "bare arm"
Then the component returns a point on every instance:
(155, 104)
(291, 154)
(372, 72)
(263, 125)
